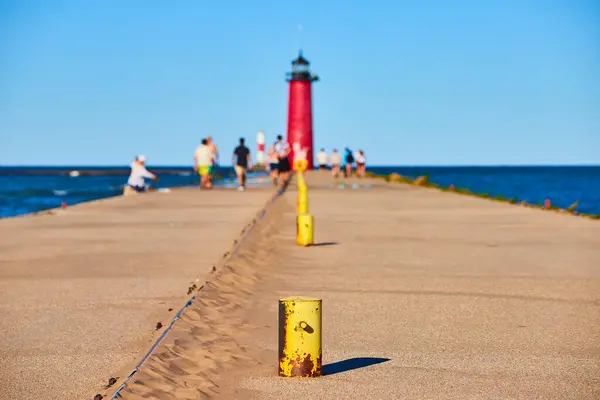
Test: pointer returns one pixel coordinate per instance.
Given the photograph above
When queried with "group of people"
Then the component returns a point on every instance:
(206, 157)
(343, 166)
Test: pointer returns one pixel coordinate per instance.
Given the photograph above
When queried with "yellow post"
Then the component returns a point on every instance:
(300, 166)
(302, 190)
(302, 206)
(304, 230)
(300, 337)
(301, 181)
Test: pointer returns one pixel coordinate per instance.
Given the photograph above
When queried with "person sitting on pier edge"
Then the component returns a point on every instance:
(282, 148)
(322, 160)
(136, 182)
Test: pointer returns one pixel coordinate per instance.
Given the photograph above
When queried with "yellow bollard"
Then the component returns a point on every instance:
(302, 205)
(305, 230)
(300, 165)
(300, 337)
(301, 183)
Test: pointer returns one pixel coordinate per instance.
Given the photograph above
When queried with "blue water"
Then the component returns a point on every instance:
(22, 194)
(562, 185)
(25, 190)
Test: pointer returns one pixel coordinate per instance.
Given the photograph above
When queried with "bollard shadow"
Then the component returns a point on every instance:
(325, 244)
(350, 364)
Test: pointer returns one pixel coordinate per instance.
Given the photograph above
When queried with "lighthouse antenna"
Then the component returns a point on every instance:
(300, 30)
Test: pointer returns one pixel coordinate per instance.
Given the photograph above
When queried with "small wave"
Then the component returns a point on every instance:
(56, 192)
(184, 174)
(29, 192)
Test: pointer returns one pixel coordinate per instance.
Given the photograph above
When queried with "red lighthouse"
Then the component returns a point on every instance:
(299, 129)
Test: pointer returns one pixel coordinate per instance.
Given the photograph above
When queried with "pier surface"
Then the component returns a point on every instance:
(81, 291)
(426, 295)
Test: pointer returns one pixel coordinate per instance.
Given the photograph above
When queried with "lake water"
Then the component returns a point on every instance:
(24, 189)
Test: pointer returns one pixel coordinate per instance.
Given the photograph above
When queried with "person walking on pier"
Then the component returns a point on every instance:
(361, 168)
(242, 161)
(322, 160)
(136, 182)
(215, 158)
(349, 159)
(203, 161)
(282, 149)
(336, 161)
(273, 164)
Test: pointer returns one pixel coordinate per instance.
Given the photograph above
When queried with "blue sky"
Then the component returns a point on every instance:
(411, 82)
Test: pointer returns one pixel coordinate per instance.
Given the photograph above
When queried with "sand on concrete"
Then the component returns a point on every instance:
(433, 295)
(214, 337)
(82, 289)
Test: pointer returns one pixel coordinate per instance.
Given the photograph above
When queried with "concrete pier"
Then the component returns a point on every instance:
(433, 295)
(82, 289)
(426, 295)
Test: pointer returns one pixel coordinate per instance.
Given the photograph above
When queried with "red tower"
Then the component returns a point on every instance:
(299, 128)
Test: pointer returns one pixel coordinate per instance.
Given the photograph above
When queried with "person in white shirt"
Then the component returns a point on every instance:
(282, 149)
(336, 161)
(322, 160)
(203, 163)
(361, 160)
(136, 182)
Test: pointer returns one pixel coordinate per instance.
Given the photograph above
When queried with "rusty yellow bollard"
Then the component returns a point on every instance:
(305, 230)
(300, 337)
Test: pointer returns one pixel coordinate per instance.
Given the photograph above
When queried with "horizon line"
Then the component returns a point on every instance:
(369, 166)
